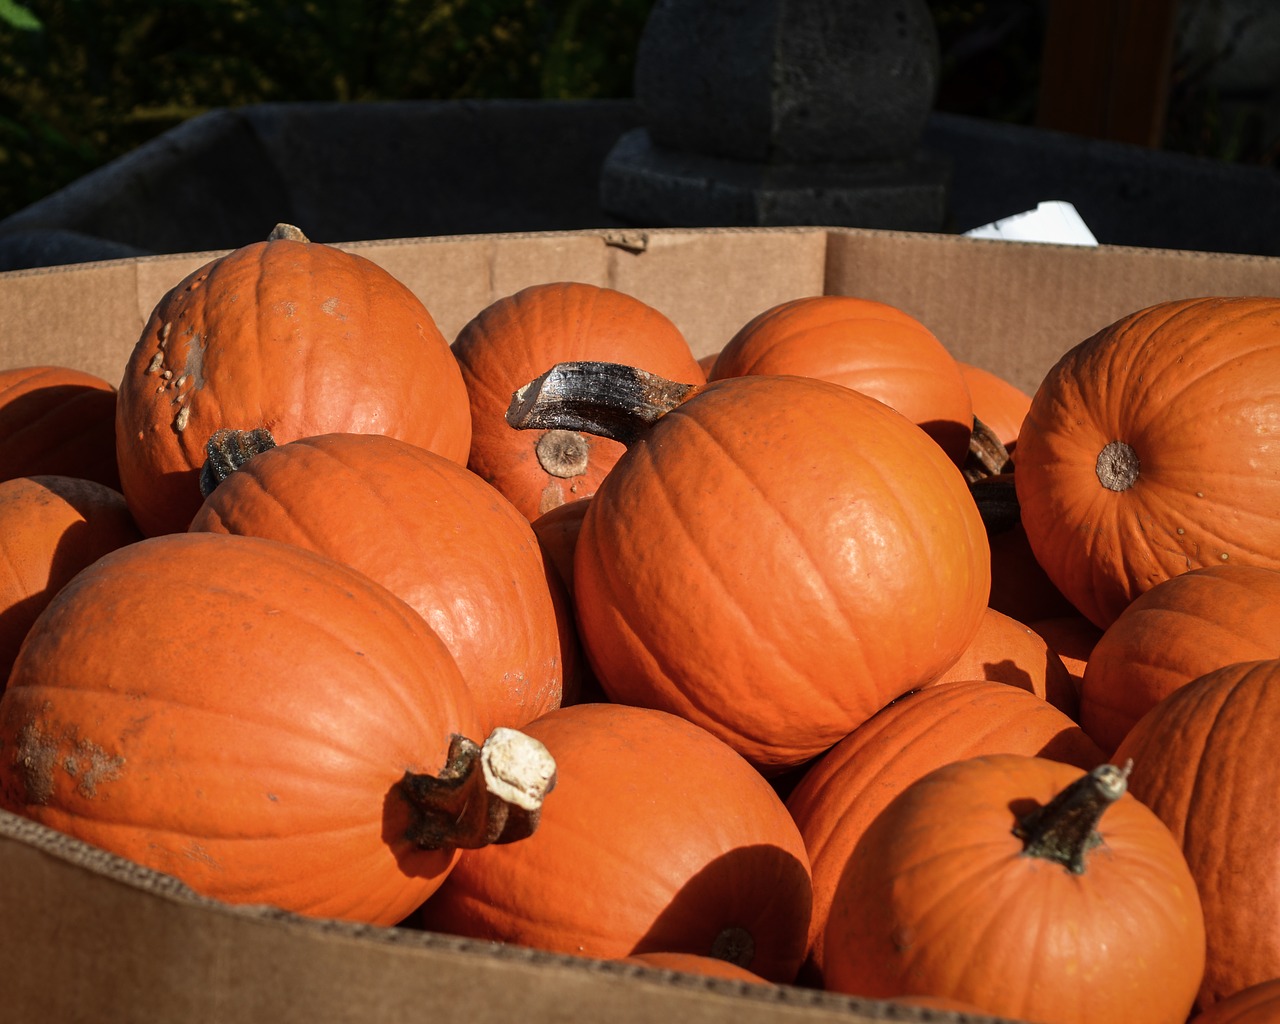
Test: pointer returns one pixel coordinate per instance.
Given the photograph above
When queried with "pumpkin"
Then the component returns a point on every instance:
(1008, 651)
(774, 558)
(1149, 449)
(288, 335)
(516, 338)
(659, 838)
(265, 724)
(841, 793)
(1176, 631)
(997, 402)
(694, 963)
(1017, 885)
(1204, 760)
(1257, 1004)
(1072, 637)
(51, 527)
(870, 346)
(427, 529)
(57, 421)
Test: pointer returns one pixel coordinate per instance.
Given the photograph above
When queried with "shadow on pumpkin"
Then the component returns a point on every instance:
(89, 452)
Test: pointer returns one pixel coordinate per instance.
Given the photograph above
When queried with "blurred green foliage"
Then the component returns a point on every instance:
(83, 81)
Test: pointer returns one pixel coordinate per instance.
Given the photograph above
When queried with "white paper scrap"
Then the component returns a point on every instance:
(1053, 220)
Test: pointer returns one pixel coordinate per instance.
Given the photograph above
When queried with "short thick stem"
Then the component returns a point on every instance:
(1066, 828)
(227, 450)
(605, 399)
(987, 456)
(483, 795)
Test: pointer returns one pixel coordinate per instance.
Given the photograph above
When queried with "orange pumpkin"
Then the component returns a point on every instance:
(999, 404)
(51, 527)
(659, 838)
(870, 346)
(57, 421)
(1204, 760)
(1072, 637)
(288, 335)
(431, 532)
(1149, 450)
(694, 963)
(774, 558)
(840, 794)
(1019, 886)
(518, 337)
(1008, 651)
(1176, 631)
(262, 722)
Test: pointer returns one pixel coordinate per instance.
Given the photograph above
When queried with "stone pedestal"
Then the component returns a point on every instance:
(771, 112)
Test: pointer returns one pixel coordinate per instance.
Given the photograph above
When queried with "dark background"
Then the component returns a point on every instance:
(84, 81)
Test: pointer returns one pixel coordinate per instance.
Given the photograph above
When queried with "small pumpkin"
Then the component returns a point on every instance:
(1149, 449)
(517, 337)
(57, 421)
(1204, 761)
(1020, 886)
(660, 839)
(288, 335)
(870, 346)
(265, 724)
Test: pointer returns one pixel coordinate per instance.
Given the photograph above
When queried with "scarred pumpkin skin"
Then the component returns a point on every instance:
(841, 793)
(1178, 630)
(1150, 449)
(870, 346)
(519, 336)
(57, 421)
(236, 712)
(1204, 761)
(939, 898)
(294, 336)
(658, 838)
(776, 560)
(431, 532)
(51, 527)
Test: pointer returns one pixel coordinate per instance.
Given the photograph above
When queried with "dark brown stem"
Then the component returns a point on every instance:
(1066, 828)
(987, 454)
(997, 502)
(227, 450)
(606, 399)
(484, 794)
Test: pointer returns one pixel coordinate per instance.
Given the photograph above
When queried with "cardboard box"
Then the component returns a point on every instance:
(85, 936)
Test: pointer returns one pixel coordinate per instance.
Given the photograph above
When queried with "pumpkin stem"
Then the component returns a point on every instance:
(1066, 828)
(987, 454)
(287, 232)
(484, 794)
(228, 450)
(606, 399)
(997, 501)
(1117, 466)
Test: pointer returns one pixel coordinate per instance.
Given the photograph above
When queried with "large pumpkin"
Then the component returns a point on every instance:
(1178, 630)
(57, 421)
(519, 336)
(51, 527)
(658, 838)
(289, 335)
(1204, 760)
(431, 532)
(842, 792)
(863, 344)
(1150, 449)
(774, 558)
(1020, 886)
(263, 723)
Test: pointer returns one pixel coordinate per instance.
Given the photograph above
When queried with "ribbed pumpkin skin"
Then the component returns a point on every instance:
(51, 527)
(1001, 405)
(776, 560)
(1204, 760)
(657, 837)
(1178, 630)
(939, 899)
(840, 795)
(236, 712)
(57, 421)
(1191, 387)
(297, 337)
(520, 336)
(870, 346)
(1257, 1004)
(1008, 651)
(431, 532)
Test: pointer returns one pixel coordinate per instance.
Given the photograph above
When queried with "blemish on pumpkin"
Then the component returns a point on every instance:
(552, 497)
(165, 328)
(195, 851)
(36, 758)
(180, 421)
(157, 361)
(1224, 556)
(90, 765)
(735, 945)
(167, 374)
